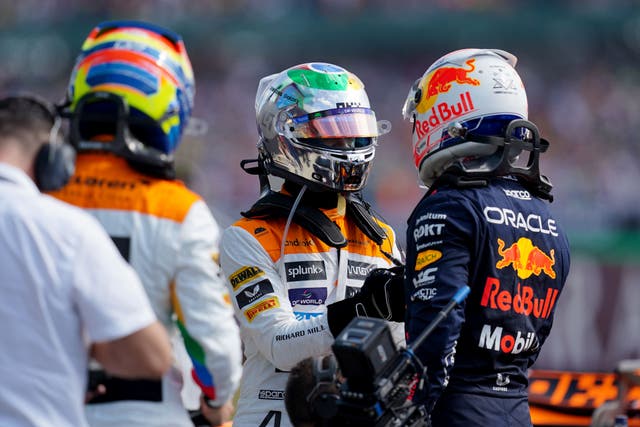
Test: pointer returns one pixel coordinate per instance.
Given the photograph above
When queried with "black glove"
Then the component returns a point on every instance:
(381, 296)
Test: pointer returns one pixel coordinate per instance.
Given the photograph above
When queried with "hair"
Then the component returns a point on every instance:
(299, 385)
(26, 119)
(303, 382)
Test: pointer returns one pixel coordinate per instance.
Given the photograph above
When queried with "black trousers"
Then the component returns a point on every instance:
(471, 410)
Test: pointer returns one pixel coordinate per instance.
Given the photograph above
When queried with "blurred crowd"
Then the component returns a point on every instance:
(583, 89)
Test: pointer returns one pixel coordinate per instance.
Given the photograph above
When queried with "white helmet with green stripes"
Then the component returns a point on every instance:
(316, 127)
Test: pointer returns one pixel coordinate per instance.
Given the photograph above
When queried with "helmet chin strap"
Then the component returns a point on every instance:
(123, 144)
(529, 175)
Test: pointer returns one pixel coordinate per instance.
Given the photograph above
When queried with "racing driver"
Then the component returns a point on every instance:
(301, 249)
(484, 223)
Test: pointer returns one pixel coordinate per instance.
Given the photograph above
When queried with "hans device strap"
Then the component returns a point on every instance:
(274, 204)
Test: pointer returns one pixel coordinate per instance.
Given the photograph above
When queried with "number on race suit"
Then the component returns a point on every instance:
(276, 415)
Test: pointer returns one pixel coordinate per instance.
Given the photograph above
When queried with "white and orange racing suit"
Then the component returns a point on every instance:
(280, 301)
(170, 238)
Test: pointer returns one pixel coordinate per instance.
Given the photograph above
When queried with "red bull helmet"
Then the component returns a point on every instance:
(464, 96)
(316, 127)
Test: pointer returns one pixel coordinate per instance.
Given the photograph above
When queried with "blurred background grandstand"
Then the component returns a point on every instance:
(580, 61)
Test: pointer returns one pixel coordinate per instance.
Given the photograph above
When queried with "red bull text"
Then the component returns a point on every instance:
(523, 302)
(444, 112)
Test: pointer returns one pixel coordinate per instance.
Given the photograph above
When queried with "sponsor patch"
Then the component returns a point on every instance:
(244, 275)
(518, 194)
(494, 338)
(307, 296)
(425, 277)
(305, 270)
(522, 301)
(253, 293)
(427, 257)
(427, 230)
(300, 315)
(526, 258)
(260, 307)
(532, 222)
(358, 270)
(271, 395)
(430, 215)
(424, 294)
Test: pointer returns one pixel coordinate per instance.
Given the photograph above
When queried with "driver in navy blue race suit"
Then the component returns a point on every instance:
(484, 223)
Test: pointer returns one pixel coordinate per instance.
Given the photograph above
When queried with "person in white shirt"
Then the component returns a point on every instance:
(67, 293)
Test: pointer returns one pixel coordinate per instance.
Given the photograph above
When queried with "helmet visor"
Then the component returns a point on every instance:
(335, 123)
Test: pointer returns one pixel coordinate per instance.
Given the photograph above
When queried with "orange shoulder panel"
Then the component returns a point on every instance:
(104, 181)
(269, 234)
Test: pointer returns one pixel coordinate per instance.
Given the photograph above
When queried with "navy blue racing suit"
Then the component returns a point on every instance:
(503, 243)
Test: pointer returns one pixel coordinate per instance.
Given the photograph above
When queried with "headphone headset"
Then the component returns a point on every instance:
(323, 398)
(55, 161)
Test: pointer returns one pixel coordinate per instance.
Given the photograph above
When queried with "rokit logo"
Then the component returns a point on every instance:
(307, 296)
(358, 270)
(495, 339)
(254, 293)
(305, 270)
(427, 230)
(271, 395)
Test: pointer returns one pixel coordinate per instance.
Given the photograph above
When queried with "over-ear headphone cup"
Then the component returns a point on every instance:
(54, 165)
(325, 405)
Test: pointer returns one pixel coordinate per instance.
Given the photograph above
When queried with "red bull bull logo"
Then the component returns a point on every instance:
(440, 81)
(526, 258)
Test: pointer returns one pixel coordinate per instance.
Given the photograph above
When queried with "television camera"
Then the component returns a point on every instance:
(379, 377)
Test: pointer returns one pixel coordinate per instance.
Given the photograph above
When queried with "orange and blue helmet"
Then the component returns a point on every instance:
(146, 68)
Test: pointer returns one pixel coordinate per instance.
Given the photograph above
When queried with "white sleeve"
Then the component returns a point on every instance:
(201, 302)
(262, 305)
(108, 294)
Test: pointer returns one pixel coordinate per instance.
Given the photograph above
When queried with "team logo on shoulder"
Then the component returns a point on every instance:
(244, 275)
(260, 307)
(427, 257)
(254, 292)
